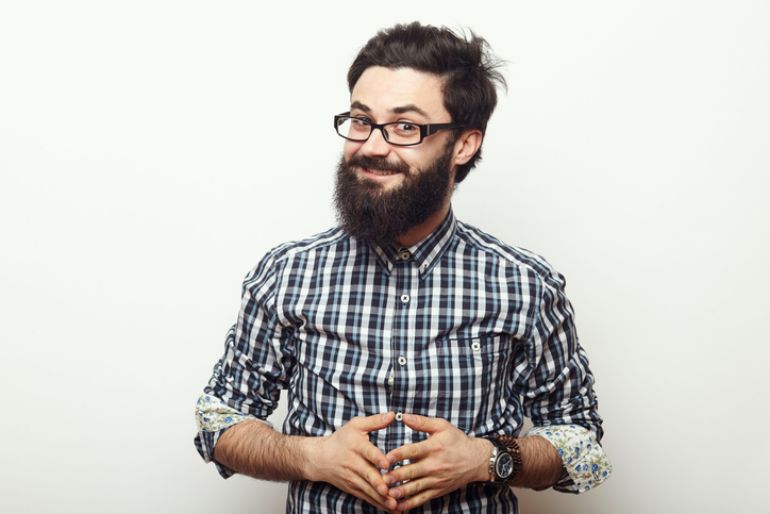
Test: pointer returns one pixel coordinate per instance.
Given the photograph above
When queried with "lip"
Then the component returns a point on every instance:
(377, 174)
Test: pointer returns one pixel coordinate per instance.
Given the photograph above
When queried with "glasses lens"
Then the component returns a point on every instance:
(403, 133)
(353, 128)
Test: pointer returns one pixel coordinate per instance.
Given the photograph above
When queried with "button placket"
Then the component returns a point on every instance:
(405, 274)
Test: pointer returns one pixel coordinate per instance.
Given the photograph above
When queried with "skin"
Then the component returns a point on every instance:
(448, 459)
(345, 459)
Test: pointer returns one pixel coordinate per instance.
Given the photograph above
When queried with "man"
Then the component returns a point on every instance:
(411, 344)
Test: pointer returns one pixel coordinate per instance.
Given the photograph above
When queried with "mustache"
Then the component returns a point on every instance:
(378, 163)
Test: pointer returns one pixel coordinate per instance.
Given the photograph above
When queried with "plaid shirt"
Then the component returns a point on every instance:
(459, 326)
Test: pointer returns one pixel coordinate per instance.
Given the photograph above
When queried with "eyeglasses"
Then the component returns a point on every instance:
(397, 133)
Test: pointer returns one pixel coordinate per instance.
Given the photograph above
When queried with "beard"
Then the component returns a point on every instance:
(372, 214)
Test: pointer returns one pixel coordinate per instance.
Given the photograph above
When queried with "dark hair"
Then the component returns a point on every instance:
(466, 65)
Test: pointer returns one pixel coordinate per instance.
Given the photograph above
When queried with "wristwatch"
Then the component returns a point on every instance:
(505, 461)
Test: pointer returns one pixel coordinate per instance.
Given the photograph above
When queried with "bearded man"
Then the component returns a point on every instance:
(412, 345)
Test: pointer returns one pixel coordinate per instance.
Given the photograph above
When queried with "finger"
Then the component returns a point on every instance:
(408, 472)
(412, 488)
(412, 451)
(373, 455)
(424, 424)
(362, 489)
(374, 478)
(373, 422)
(416, 501)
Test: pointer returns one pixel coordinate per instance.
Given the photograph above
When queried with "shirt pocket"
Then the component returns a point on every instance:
(470, 378)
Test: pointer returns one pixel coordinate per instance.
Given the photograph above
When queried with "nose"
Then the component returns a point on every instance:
(376, 145)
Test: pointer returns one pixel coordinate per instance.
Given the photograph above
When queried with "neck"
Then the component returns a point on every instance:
(419, 232)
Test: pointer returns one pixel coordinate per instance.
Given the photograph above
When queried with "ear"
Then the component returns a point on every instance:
(466, 146)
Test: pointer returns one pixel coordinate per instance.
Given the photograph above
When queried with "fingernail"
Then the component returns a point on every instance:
(395, 493)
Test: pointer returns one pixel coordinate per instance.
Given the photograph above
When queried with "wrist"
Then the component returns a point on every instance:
(485, 448)
(308, 457)
(505, 462)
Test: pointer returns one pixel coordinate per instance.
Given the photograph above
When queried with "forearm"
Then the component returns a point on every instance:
(541, 465)
(253, 448)
(345, 459)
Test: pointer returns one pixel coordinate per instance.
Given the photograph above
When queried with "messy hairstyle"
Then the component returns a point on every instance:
(465, 64)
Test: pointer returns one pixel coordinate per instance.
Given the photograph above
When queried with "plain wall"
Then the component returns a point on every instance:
(152, 151)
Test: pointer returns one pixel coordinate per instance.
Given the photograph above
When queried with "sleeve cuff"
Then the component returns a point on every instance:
(214, 417)
(585, 463)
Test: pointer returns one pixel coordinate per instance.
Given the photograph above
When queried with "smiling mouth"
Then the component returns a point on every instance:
(381, 173)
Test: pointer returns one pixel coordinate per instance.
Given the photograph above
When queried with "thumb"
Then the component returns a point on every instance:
(373, 422)
(424, 424)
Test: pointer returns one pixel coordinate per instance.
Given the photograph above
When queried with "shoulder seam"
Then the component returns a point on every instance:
(515, 255)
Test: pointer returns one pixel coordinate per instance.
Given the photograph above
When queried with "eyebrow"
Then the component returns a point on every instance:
(395, 110)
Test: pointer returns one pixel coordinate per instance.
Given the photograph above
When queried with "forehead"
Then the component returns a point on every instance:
(387, 91)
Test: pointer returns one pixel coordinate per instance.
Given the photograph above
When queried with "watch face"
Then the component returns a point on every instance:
(504, 466)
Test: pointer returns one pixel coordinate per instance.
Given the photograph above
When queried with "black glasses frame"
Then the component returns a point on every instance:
(425, 129)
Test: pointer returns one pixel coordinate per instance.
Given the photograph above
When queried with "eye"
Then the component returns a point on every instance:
(360, 126)
(360, 122)
(406, 127)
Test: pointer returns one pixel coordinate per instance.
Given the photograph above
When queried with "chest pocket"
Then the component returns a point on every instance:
(470, 378)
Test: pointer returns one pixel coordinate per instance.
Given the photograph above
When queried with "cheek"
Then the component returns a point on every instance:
(409, 156)
(349, 148)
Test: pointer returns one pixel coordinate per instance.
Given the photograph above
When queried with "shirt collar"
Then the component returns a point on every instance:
(423, 254)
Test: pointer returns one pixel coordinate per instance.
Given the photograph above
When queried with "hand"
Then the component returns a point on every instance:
(446, 461)
(349, 461)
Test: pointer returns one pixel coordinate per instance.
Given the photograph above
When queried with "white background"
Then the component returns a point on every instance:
(152, 151)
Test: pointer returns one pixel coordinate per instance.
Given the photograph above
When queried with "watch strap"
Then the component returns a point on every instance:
(511, 444)
(496, 449)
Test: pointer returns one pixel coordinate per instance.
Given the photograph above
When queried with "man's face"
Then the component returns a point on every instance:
(383, 190)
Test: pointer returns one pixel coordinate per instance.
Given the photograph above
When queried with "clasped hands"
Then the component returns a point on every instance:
(447, 460)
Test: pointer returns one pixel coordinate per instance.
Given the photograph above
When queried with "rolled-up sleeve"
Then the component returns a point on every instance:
(584, 461)
(246, 382)
(556, 384)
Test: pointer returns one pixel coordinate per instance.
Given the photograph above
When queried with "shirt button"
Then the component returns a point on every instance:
(404, 298)
(401, 360)
(476, 346)
(399, 416)
(404, 255)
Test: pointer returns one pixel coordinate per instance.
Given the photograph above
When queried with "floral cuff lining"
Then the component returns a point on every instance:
(213, 415)
(584, 460)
